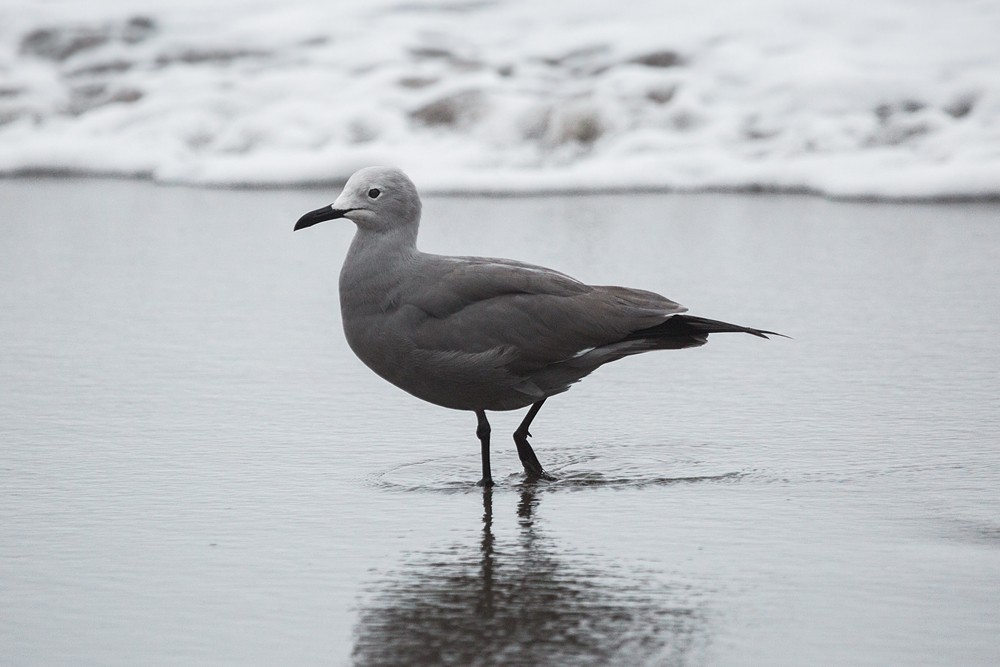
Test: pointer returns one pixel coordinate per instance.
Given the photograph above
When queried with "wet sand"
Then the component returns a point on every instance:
(197, 470)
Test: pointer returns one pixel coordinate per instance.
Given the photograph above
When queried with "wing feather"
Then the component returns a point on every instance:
(528, 315)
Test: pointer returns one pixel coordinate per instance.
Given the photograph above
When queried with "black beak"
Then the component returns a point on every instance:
(321, 215)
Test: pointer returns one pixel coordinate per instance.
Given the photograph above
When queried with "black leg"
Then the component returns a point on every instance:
(524, 451)
(483, 431)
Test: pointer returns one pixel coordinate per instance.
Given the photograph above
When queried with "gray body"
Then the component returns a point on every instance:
(473, 333)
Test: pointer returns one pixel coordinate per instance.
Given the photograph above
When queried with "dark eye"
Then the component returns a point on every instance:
(374, 193)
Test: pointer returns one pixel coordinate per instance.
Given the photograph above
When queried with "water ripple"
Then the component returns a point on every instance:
(456, 474)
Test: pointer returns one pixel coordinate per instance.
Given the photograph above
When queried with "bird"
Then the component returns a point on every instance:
(478, 333)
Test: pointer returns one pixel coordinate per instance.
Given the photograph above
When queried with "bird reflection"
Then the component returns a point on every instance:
(524, 604)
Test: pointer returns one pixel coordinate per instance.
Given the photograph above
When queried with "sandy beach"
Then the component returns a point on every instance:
(196, 469)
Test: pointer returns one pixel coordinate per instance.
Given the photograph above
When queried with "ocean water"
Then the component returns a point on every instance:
(196, 470)
(869, 99)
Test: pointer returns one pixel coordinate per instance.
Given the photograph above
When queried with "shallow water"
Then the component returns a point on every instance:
(196, 469)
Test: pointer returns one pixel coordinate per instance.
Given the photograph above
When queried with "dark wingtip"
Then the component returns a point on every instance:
(762, 333)
(692, 325)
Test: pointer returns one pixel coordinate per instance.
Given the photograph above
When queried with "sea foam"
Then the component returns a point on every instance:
(888, 99)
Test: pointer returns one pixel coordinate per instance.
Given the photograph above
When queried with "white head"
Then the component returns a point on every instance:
(378, 199)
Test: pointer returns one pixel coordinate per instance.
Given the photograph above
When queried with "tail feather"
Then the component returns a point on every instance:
(683, 326)
(676, 333)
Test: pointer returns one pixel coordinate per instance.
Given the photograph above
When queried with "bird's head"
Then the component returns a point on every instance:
(374, 198)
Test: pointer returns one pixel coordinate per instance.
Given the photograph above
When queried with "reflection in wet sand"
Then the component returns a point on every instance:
(524, 604)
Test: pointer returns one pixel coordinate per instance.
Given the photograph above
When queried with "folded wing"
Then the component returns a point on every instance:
(530, 317)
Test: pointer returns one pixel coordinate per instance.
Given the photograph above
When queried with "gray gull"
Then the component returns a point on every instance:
(476, 333)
